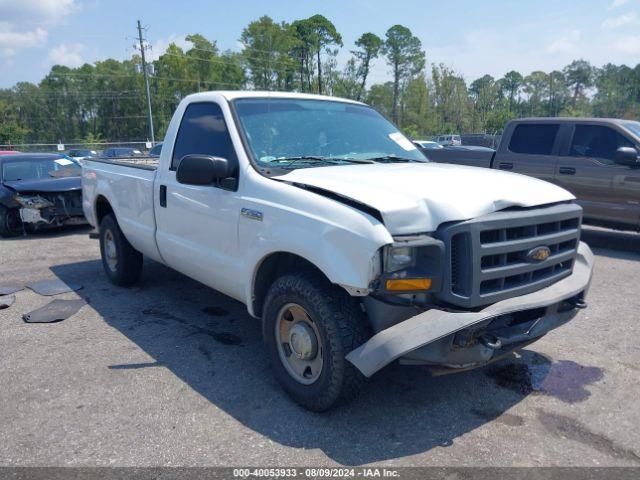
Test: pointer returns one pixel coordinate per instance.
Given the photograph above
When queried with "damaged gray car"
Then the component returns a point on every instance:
(38, 191)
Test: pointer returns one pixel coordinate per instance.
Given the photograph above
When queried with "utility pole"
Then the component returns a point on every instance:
(146, 83)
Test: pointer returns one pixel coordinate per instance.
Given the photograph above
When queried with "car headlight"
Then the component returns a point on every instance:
(412, 265)
(35, 201)
(398, 258)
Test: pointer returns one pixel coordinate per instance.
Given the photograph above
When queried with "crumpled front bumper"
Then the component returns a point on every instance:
(457, 340)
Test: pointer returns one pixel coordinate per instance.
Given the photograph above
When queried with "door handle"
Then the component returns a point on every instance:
(163, 195)
(567, 171)
(505, 166)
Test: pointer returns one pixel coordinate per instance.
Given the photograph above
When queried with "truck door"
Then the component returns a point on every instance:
(532, 150)
(607, 191)
(197, 225)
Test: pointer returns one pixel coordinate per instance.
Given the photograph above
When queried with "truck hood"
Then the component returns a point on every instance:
(418, 197)
(64, 184)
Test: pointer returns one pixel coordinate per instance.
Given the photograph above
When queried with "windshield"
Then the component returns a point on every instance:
(633, 127)
(39, 168)
(307, 131)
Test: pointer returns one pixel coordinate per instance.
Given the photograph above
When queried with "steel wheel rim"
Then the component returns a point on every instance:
(110, 251)
(299, 346)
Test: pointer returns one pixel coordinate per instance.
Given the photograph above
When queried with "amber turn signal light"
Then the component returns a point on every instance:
(408, 284)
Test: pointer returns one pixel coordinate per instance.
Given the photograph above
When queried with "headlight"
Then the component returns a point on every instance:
(412, 265)
(35, 201)
(398, 258)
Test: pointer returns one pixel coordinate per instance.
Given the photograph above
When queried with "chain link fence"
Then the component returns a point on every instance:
(66, 147)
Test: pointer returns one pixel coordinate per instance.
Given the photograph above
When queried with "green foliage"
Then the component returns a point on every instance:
(11, 133)
(405, 57)
(369, 47)
(106, 101)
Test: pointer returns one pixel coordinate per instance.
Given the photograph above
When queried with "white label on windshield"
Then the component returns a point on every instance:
(63, 161)
(402, 141)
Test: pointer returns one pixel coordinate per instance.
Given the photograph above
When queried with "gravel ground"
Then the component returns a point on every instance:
(172, 373)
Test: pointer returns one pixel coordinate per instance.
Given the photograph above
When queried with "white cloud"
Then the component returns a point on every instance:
(25, 23)
(11, 42)
(565, 44)
(620, 21)
(617, 3)
(628, 45)
(160, 46)
(35, 10)
(68, 55)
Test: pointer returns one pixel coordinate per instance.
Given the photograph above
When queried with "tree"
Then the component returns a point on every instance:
(511, 83)
(406, 58)
(302, 49)
(202, 60)
(267, 46)
(11, 133)
(483, 93)
(557, 91)
(451, 99)
(380, 97)
(579, 76)
(536, 86)
(322, 34)
(369, 45)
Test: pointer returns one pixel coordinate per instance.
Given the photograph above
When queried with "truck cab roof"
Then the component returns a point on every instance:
(235, 94)
(569, 120)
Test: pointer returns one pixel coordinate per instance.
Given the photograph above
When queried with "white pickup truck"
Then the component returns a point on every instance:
(336, 232)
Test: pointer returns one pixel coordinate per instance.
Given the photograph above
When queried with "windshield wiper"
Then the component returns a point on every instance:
(391, 159)
(316, 158)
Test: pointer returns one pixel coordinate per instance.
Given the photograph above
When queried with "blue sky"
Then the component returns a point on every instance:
(474, 37)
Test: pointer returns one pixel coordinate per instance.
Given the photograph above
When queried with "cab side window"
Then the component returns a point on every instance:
(203, 131)
(597, 141)
(534, 139)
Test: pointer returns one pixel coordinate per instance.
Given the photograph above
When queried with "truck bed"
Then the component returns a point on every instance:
(146, 163)
(127, 184)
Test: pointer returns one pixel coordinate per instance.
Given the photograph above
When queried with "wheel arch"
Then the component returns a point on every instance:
(102, 208)
(272, 266)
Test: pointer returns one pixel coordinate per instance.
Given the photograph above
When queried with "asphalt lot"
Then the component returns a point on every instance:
(172, 373)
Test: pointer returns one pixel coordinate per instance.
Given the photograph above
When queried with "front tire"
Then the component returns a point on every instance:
(10, 222)
(309, 327)
(121, 262)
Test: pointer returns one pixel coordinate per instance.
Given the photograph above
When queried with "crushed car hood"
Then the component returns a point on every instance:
(64, 184)
(418, 197)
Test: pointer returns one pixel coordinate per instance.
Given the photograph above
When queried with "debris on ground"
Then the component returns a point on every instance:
(55, 311)
(6, 301)
(9, 289)
(53, 287)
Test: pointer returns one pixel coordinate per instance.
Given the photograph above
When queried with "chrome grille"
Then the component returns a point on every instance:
(488, 255)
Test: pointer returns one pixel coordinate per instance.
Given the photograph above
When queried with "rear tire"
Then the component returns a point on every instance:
(333, 320)
(121, 262)
(10, 222)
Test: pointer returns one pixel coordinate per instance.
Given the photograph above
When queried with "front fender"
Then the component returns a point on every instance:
(342, 246)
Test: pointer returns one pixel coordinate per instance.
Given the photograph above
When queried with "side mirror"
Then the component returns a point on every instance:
(202, 170)
(627, 156)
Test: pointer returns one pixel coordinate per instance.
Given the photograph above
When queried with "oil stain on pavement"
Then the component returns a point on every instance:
(565, 380)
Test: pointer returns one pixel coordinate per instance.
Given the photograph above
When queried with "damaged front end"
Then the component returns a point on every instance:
(476, 290)
(447, 341)
(40, 210)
